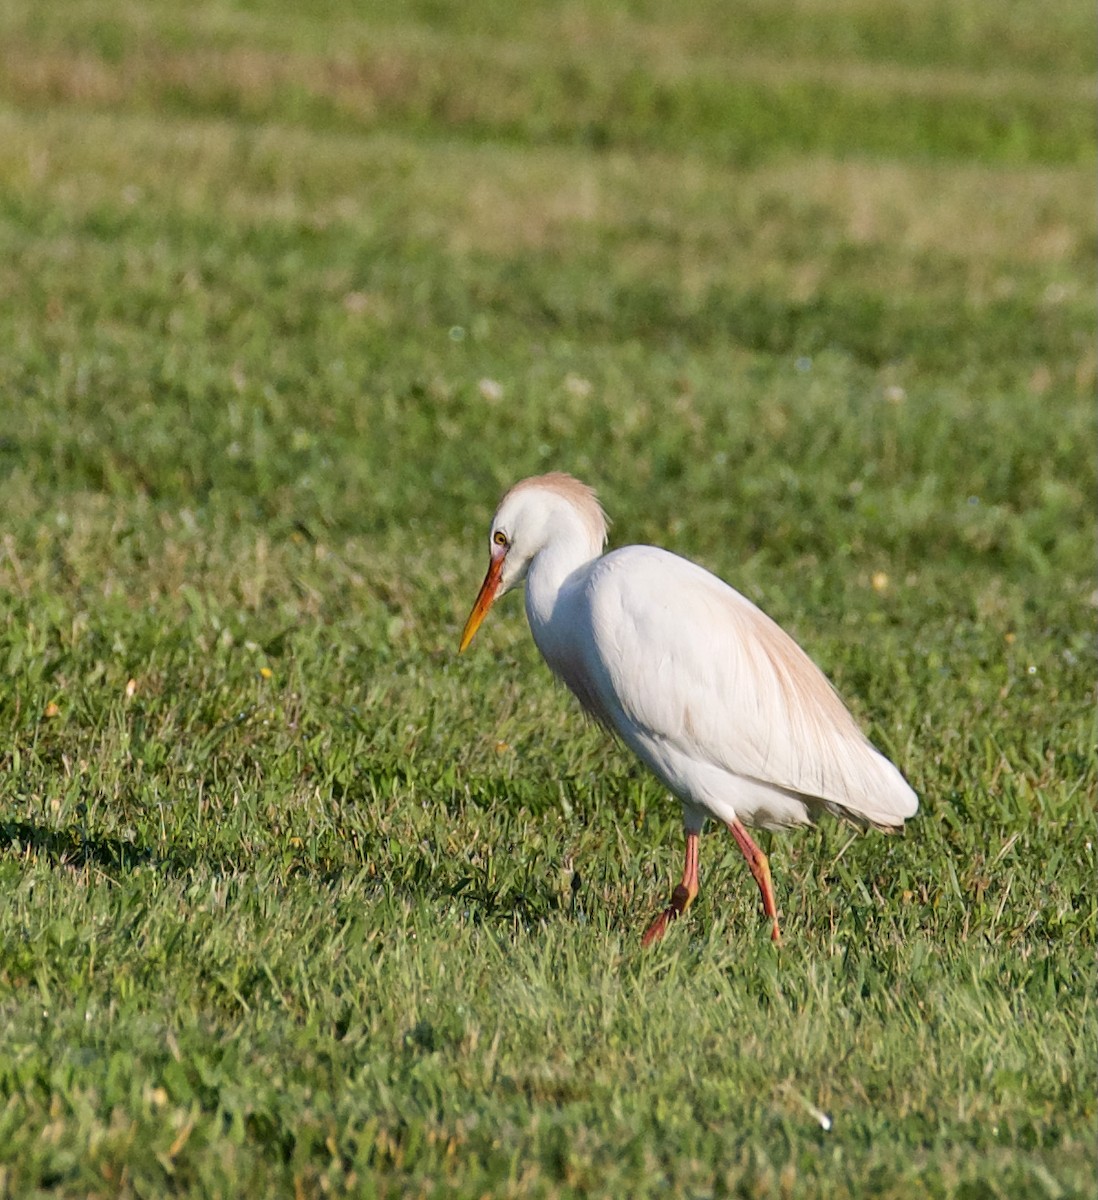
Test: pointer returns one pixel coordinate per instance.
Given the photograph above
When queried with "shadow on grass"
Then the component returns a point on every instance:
(528, 906)
(73, 847)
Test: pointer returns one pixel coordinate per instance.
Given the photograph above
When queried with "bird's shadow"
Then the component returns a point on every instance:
(74, 846)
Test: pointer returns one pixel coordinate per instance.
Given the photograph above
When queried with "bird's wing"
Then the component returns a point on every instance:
(674, 653)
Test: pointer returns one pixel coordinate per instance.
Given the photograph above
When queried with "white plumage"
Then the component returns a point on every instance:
(713, 696)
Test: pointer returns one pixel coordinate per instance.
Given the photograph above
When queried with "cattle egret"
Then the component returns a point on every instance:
(710, 694)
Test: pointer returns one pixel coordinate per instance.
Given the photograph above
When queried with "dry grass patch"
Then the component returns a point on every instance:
(472, 79)
(786, 225)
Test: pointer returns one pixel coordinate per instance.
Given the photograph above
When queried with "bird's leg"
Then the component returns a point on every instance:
(760, 868)
(682, 897)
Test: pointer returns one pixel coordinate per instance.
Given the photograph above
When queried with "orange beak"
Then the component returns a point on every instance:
(483, 602)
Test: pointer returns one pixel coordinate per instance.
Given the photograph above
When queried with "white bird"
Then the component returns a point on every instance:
(710, 694)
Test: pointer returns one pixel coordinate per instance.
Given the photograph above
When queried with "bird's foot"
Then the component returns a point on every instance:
(658, 928)
(681, 900)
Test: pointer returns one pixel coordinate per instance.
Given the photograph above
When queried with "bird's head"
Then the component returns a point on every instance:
(532, 514)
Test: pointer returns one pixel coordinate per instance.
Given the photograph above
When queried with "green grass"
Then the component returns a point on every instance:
(298, 902)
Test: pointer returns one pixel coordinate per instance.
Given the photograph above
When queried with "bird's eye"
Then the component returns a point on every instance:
(499, 537)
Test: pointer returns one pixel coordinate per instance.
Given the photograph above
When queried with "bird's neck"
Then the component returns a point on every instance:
(549, 573)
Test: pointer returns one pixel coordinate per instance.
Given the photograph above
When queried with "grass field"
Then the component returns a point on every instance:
(296, 901)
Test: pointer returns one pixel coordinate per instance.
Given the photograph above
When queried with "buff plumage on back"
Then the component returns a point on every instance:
(755, 706)
(579, 495)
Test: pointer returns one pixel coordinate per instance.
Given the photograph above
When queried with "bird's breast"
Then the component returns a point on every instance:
(564, 637)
